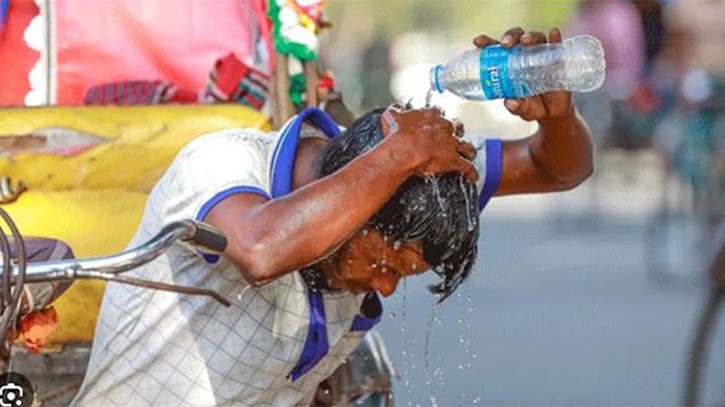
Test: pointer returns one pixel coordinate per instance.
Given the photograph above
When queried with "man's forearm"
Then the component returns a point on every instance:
(562, 148)
(269, 238)
(284, 234)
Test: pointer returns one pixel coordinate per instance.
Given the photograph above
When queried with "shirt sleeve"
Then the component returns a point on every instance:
(489, 164)
(209, 170)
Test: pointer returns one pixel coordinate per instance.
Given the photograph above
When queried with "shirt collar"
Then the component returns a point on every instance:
(283, 157)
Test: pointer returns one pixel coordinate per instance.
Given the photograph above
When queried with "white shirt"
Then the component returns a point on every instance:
(155, 348)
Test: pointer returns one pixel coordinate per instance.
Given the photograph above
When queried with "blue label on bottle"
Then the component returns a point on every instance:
(495, 79)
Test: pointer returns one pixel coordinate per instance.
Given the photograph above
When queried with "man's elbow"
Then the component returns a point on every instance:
(577, 177)
(257, 263)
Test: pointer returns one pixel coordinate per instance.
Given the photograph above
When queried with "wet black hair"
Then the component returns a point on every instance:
(440, 212)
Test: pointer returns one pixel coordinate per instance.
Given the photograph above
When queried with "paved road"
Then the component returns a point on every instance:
(558, 316)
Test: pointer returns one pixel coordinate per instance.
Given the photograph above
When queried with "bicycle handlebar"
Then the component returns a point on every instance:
(209, 238)
(108, 267)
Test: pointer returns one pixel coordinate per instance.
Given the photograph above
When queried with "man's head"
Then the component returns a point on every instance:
(428, 223)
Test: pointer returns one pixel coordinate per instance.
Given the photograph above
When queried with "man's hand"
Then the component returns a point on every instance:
(269, 238)
(544, 107)
(434, 142)
(559, 155)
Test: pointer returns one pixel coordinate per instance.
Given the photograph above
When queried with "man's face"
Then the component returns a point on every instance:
(371, 262)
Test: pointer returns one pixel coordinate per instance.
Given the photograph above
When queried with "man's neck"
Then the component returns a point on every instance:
(305, 171)
(309, 151)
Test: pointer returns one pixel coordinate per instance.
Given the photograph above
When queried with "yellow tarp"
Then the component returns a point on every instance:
(94, 200)
(93, 223)
(142, 141)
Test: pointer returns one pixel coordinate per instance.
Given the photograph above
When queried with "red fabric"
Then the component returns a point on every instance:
(139, 93)
(233, 80)
(327, 82)
(175, 41)
(16, 59)
(36, 327)
(230, 80)
(229, 71)
(184, 96)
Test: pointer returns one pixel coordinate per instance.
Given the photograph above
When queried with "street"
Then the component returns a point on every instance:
(560, 312)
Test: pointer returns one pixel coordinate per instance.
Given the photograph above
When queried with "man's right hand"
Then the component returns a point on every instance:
(269, 238)
(431, 142)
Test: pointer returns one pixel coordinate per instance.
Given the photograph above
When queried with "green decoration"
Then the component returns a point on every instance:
(284, 45)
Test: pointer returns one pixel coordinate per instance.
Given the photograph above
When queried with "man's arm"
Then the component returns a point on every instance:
(559, 155)
(269, 238)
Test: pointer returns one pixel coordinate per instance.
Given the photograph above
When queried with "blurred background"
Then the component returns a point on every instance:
(588, 297)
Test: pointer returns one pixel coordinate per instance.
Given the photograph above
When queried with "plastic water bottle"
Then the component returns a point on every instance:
(576, 64)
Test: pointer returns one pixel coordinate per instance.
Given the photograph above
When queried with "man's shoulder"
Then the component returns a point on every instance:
(238, 150)
(228, 138)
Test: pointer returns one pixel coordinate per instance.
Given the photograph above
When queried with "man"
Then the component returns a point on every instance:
(317, 222)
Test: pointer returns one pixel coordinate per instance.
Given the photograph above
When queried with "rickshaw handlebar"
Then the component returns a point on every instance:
(109, 267)
(208, 237)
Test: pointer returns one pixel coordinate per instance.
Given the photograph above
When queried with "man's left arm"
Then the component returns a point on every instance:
(558, 156)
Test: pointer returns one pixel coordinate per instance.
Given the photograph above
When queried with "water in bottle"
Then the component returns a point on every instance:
(494, 72)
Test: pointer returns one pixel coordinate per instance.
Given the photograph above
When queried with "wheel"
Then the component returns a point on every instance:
(700, 350)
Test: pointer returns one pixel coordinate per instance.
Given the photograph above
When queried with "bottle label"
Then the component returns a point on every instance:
(495, 79)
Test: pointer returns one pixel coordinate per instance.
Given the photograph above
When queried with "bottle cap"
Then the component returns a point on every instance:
(435, 74)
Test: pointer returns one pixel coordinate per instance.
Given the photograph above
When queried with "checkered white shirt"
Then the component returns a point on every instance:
(155, 348)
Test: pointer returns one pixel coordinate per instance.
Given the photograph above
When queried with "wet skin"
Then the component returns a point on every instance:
(270, 238)
(371, 262)
(321, 218)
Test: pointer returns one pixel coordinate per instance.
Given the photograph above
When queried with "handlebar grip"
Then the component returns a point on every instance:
(209, 238)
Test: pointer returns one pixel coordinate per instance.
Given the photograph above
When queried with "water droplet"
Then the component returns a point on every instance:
(397, 245)
(391, 315)
(437, 192)
(469, 209)
(429, 97)
(365, 232)
(433, 317)
(460, 367)
(244, 290)
(408, 367)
